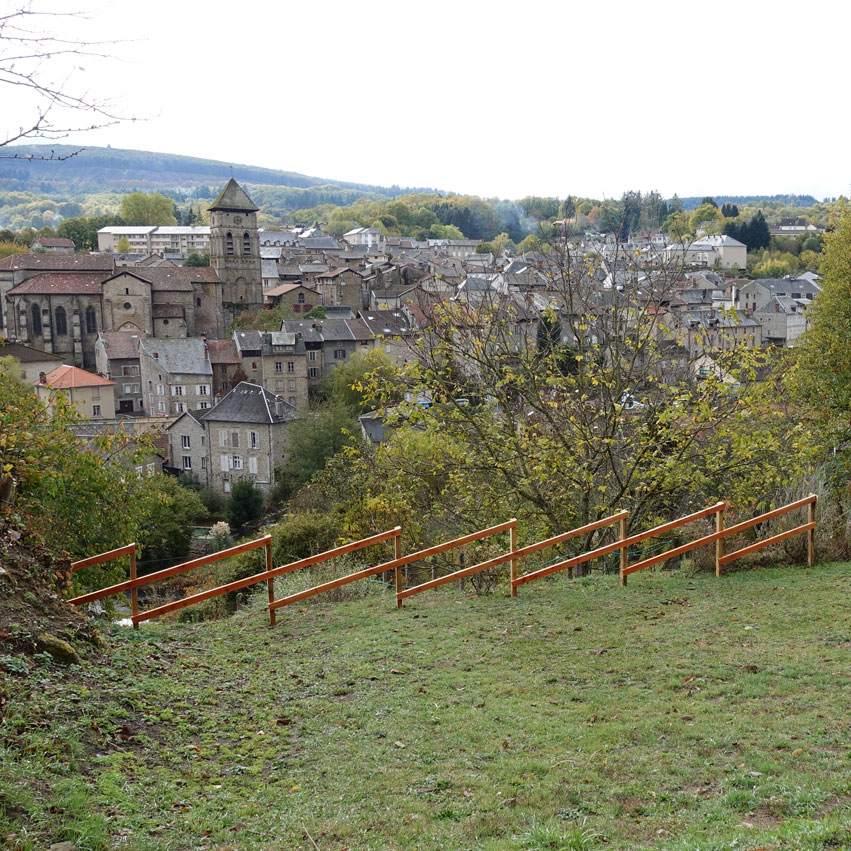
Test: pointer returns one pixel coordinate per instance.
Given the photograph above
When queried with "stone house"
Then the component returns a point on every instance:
(341, 286)
(187, 446)
(176, 376)
(299, 298)
(91, 395)
(246, 436)
(117, 358)
(226, 366)
(53, 245)
(755, 294)
(33, 362)
(276, 361)
(783, 320)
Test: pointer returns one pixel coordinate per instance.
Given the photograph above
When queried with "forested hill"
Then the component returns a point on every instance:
(695, 201)
(97, 169)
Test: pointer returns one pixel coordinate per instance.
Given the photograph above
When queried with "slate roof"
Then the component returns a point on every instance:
(233, 197)
(121, 345)
(277, 238)
(268, 268)
(251, 341)
(70, 377)
(59, 283)
(26, 354)
(54, 242)
(172, 278)
(326, 243)
(178, 356)
(59, 262)
(222, 351)
(382, 322)
(250, 403)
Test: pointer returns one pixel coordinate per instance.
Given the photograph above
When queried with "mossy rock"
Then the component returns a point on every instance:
(59, 649)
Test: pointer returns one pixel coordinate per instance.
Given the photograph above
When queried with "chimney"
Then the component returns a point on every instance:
(42, 378)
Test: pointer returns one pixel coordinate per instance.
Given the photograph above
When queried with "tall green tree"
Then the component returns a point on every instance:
(142, 208)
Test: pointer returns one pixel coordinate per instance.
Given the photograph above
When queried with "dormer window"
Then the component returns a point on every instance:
(229, 243)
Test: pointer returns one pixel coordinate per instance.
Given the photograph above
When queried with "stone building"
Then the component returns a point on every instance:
(235, 251)
(176, 376)
(91, 395)
(246, 436)
(117, 358)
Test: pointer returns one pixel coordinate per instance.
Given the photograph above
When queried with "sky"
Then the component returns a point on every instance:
(488, 98)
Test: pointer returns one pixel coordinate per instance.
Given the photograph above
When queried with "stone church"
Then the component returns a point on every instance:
(235, 251)
(60, 303)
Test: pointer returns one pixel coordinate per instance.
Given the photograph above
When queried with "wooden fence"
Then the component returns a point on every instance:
(512, 555)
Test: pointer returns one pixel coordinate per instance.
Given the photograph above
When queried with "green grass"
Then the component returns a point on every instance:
(683, 712)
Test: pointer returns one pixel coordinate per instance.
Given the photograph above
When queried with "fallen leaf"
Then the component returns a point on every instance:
(399, 744)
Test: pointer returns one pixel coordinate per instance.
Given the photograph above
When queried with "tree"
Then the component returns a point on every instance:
(123, 245)
(170, 509)
(141, 208)
(822, 375)
(36, 52)
(83, 230)
(196, 259)
(595, 414)
(245, 506)
(352, 381)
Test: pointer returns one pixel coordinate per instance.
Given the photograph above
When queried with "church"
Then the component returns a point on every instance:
(60, 303)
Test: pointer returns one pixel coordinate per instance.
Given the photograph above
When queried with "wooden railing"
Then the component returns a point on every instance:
(399, 561)
(396, 564)
(127, 550)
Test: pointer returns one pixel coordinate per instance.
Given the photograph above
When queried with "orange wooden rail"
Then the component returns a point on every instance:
(809, 527)
(268, 576)
(626, 569)
(394, 564)
(516, 581)
(511, 525)
(127, 550)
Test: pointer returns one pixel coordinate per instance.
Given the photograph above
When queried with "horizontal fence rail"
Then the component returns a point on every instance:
(269, 575)
(394, 564)
(512, 555)
(620, 517)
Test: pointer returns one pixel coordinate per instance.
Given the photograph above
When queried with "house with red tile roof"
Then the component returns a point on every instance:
(92, 395)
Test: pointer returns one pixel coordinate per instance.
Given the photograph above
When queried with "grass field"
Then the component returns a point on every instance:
(682, 712)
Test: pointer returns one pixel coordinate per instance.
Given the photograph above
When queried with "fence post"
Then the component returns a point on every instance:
(719, 544)
(134, 592)
(512, 543)
(397, 553)
(270, 583)
(811, 533)
(623, 550)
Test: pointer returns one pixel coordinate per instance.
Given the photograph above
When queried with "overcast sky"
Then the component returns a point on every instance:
(490, 98)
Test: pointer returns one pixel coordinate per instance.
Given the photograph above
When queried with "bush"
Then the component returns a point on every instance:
(245, 506)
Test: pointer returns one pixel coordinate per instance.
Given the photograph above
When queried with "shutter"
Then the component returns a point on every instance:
(225, 463)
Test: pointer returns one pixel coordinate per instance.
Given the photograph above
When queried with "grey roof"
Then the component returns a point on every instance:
(325, 243)
(251, 341)
(178, 356)
(250, 403)
(269, 268)
(26, 354)
(233, 197)
(381, 322)
(277, 237)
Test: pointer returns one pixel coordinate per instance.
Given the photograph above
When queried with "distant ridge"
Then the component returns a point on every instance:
(694, 201)
(98, 169)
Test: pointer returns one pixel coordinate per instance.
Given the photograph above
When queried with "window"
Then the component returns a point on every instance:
(95, 410)
(161, 407)
(291, 384)
(223, 369)
(61, 321)
(132, 388)
(91, 321)
(252, 465)
(177, 390)
(339, 354)
(36, 314)
(198, 302)
(234, 439)
(229, 243)
(292, 400)
(254, 364)
(237, 462)
(313, 372)
(96, 393)
(279, 366)
(279, 385)
(203, 463)
(187, 462)
(202, 389)
(246, 243)
(301, 298)
(253, 440)
(127, 305)
(185, 442)
(226, 487)
(180, 407)
(160, 390)
(202, 406)
(311, 356)
(223, 437)
(290, 366)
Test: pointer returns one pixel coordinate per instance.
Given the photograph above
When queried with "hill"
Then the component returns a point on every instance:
(683, 712)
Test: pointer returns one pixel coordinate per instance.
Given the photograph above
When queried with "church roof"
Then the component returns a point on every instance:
(233, 197)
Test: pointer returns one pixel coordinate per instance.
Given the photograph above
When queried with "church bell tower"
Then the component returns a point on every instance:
(235, 250)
